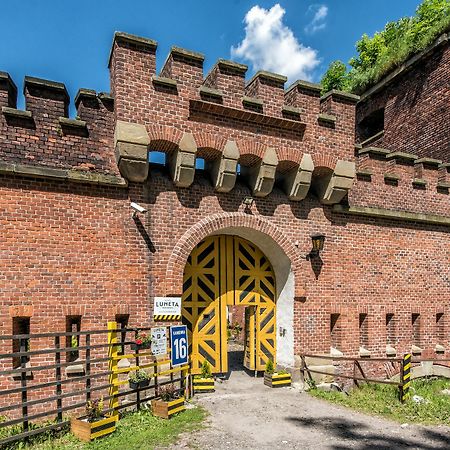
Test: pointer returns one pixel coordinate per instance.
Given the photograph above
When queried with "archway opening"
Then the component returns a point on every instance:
(227, 273)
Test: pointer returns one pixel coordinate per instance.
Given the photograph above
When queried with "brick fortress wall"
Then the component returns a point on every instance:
(70, 246)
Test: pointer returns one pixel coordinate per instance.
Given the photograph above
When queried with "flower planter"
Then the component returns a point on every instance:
(277, 379)
(140, 346)
(86, 431)
(203, 385)
(167, 409)
(139, 385)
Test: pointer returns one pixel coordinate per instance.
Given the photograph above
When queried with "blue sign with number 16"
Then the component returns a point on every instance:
(178, 344)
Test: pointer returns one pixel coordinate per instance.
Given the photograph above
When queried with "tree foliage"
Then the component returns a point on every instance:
(387, 49)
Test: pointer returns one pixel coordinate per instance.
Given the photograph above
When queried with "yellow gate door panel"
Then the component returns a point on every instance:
(250, 337)
(255, 286)
(201, 311)
(223, 271)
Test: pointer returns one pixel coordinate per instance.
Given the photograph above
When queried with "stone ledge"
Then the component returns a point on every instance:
(62, 174)
(391, 177)
(372, 138)
(364, 173)
(187, 54)
(210, 91)
(443, 184)
(429, 162)
(84, 93)
(120, 36)
(419, 182)
(252, 101)
(374, 151)
(72, 123)
(327, 118)
(232, 65)
(105, 96)
(341, 95)
(18, 113)
(6, 77)
(402, 156)
(291, 110)
(164, 81)
(271, 76)
(406, 216)
(306, 85)
(46, 84)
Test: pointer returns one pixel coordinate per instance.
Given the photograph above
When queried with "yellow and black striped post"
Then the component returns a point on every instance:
(112, 368)
(166, 317)
(405, 375)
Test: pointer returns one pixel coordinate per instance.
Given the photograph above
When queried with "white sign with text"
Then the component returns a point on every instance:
(159, 341)
(167, 306)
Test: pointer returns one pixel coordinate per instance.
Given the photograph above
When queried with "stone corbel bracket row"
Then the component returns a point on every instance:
(131, 143)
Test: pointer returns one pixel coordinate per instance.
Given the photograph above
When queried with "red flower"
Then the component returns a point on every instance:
(138, 341)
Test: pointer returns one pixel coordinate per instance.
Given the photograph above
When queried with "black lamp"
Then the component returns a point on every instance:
(318, 240)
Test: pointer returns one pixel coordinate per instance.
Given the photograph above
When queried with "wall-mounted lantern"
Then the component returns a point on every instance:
(318, 240)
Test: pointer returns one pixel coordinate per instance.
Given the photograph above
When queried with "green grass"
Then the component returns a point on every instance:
(383, 400)
(139, 430)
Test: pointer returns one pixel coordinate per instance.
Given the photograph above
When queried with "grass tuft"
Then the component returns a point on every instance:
(383, 400)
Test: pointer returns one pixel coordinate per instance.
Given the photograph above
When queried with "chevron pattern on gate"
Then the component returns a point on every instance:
(222, 271)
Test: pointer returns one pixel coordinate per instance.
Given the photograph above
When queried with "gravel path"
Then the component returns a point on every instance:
(245, 414)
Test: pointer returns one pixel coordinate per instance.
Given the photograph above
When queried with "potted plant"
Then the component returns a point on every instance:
(171, 402)
(94, 424)
(138, 379)
(142, 341)
(274, 378)
(204, 382)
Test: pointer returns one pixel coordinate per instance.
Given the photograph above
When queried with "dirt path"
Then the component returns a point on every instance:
(245, 414)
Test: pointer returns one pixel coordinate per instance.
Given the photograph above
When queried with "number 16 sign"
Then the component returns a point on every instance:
(178, 345)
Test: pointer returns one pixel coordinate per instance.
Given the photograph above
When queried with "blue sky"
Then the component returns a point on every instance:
(70, 41)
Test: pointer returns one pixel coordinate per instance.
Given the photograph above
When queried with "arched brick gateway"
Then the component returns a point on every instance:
(213, 225)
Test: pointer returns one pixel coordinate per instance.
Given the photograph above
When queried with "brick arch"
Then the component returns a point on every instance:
(289, 154)
(215, 223)
(251, 151)
(210, 146)
(163, 138)
(328, 161)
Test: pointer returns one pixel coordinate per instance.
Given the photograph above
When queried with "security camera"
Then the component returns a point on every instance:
(137, 209)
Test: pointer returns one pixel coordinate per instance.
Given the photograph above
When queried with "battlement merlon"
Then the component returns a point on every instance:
(8, 91)
(134, 80)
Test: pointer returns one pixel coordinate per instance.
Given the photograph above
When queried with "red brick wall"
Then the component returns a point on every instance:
(74, 249)
(417, 113)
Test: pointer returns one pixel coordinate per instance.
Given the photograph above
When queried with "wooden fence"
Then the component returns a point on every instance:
(404, 363)
(38, 396)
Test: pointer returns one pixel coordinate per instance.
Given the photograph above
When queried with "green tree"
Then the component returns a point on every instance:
(335, 77)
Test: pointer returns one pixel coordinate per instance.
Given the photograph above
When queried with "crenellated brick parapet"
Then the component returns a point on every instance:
(401, 181)
(44, 135)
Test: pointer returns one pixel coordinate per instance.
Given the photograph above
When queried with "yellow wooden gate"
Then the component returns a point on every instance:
(222, 271)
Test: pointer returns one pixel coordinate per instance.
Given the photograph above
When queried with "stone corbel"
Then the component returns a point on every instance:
(261, 177)
(297, 182)
(223, 169)
(333, 189)
(131, 147)
(182, 161)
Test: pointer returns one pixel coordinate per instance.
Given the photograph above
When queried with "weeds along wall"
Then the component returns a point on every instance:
(71, 248)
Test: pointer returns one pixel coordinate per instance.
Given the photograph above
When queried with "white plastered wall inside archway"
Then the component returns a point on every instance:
(285, 284)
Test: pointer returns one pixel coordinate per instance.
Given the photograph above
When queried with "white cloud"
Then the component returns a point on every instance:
(271, 45)
(318, 21)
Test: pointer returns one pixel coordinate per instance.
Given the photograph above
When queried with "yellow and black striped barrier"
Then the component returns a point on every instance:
(405, 377)
(202, 385)
(166, 317)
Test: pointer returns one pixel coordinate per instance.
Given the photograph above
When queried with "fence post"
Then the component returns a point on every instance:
(112, 368)
(23, 382)
(88, 367)
(58, 379)
(405, 377)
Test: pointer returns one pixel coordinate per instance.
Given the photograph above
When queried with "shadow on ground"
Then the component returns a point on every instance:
(361, 437)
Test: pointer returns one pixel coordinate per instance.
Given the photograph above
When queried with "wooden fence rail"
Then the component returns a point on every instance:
(37, 396)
